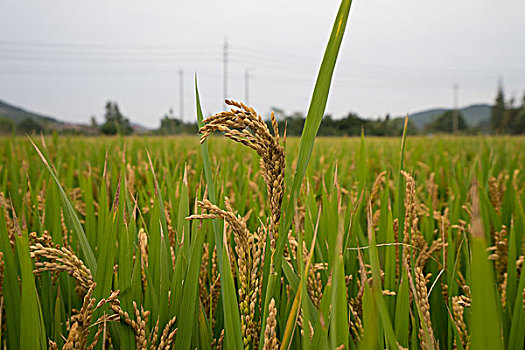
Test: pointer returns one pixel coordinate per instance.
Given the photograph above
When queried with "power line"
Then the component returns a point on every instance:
(115, 52)
(91, 46)
(100, 58)
(39, 52)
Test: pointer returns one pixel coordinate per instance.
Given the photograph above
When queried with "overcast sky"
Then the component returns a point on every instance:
(67, 58)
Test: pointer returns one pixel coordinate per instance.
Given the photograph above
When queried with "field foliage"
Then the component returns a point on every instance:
(394, 249)
(262, 242)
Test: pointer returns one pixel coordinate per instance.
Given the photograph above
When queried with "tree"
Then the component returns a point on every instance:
(445, 122)
(351, 125)
(28, 126)
(169, 124)
(497, 117)
(6, 125)
(397, 127)
(519, 122)
(93, 122)
(115, 123)
(293, 124)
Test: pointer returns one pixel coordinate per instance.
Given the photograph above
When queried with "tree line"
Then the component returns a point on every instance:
(507, 118)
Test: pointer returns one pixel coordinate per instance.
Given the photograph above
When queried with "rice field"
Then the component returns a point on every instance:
(119, 243)
(246, 239)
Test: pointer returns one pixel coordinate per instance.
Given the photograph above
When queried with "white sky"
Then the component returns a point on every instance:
(67, 58)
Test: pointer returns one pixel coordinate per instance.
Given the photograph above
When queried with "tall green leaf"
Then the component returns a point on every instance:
(71, 216)
(32, 330)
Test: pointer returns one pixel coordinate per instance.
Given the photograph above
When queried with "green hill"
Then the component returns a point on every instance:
(473, 114)
(17, 115)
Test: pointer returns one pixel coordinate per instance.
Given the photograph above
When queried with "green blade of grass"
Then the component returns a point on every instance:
(204, 330)
(399, 205)
(190, 294)
(339, 332)
(317, 107)
(10, 287)
(125, 272)
(32, 330)
(486, 331)
(176, 287)
(313, 121)
(321, 326)
(513, 251)
(271, 283)
(402, 310)
(70, 214)
(370, 322)
(57, 321)
(486, 320)
(301, 295)
(183, 226)
(377, 290)
(106, 261)
(517, 329)
(232, 320)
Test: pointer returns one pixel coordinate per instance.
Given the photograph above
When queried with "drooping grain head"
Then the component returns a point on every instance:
(60, 260)
(7, 207)
(499, 251)
(168, 334)
(270, 336)
(426, 333)
(242, 124)
(459, 303)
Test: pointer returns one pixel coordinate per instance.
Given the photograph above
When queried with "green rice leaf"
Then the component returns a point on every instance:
(10, 288)
(32, 329)
(70, 214)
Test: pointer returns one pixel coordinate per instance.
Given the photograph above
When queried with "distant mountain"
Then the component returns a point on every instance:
(473, 114)
(476, 114)
(18, 114)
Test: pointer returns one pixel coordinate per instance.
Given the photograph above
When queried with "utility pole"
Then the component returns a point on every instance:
(225, 70)
(247, 86)
(181, 96)
(455, 113)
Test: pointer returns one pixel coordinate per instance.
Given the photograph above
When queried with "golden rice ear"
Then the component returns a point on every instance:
(242, 124)
(168, 334)
(60, 260)
(270, 335)
(459, 303)
(249, 256)
(426, 334)
(81, 323)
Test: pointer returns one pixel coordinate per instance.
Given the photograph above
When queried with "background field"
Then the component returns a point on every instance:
(398, 258)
